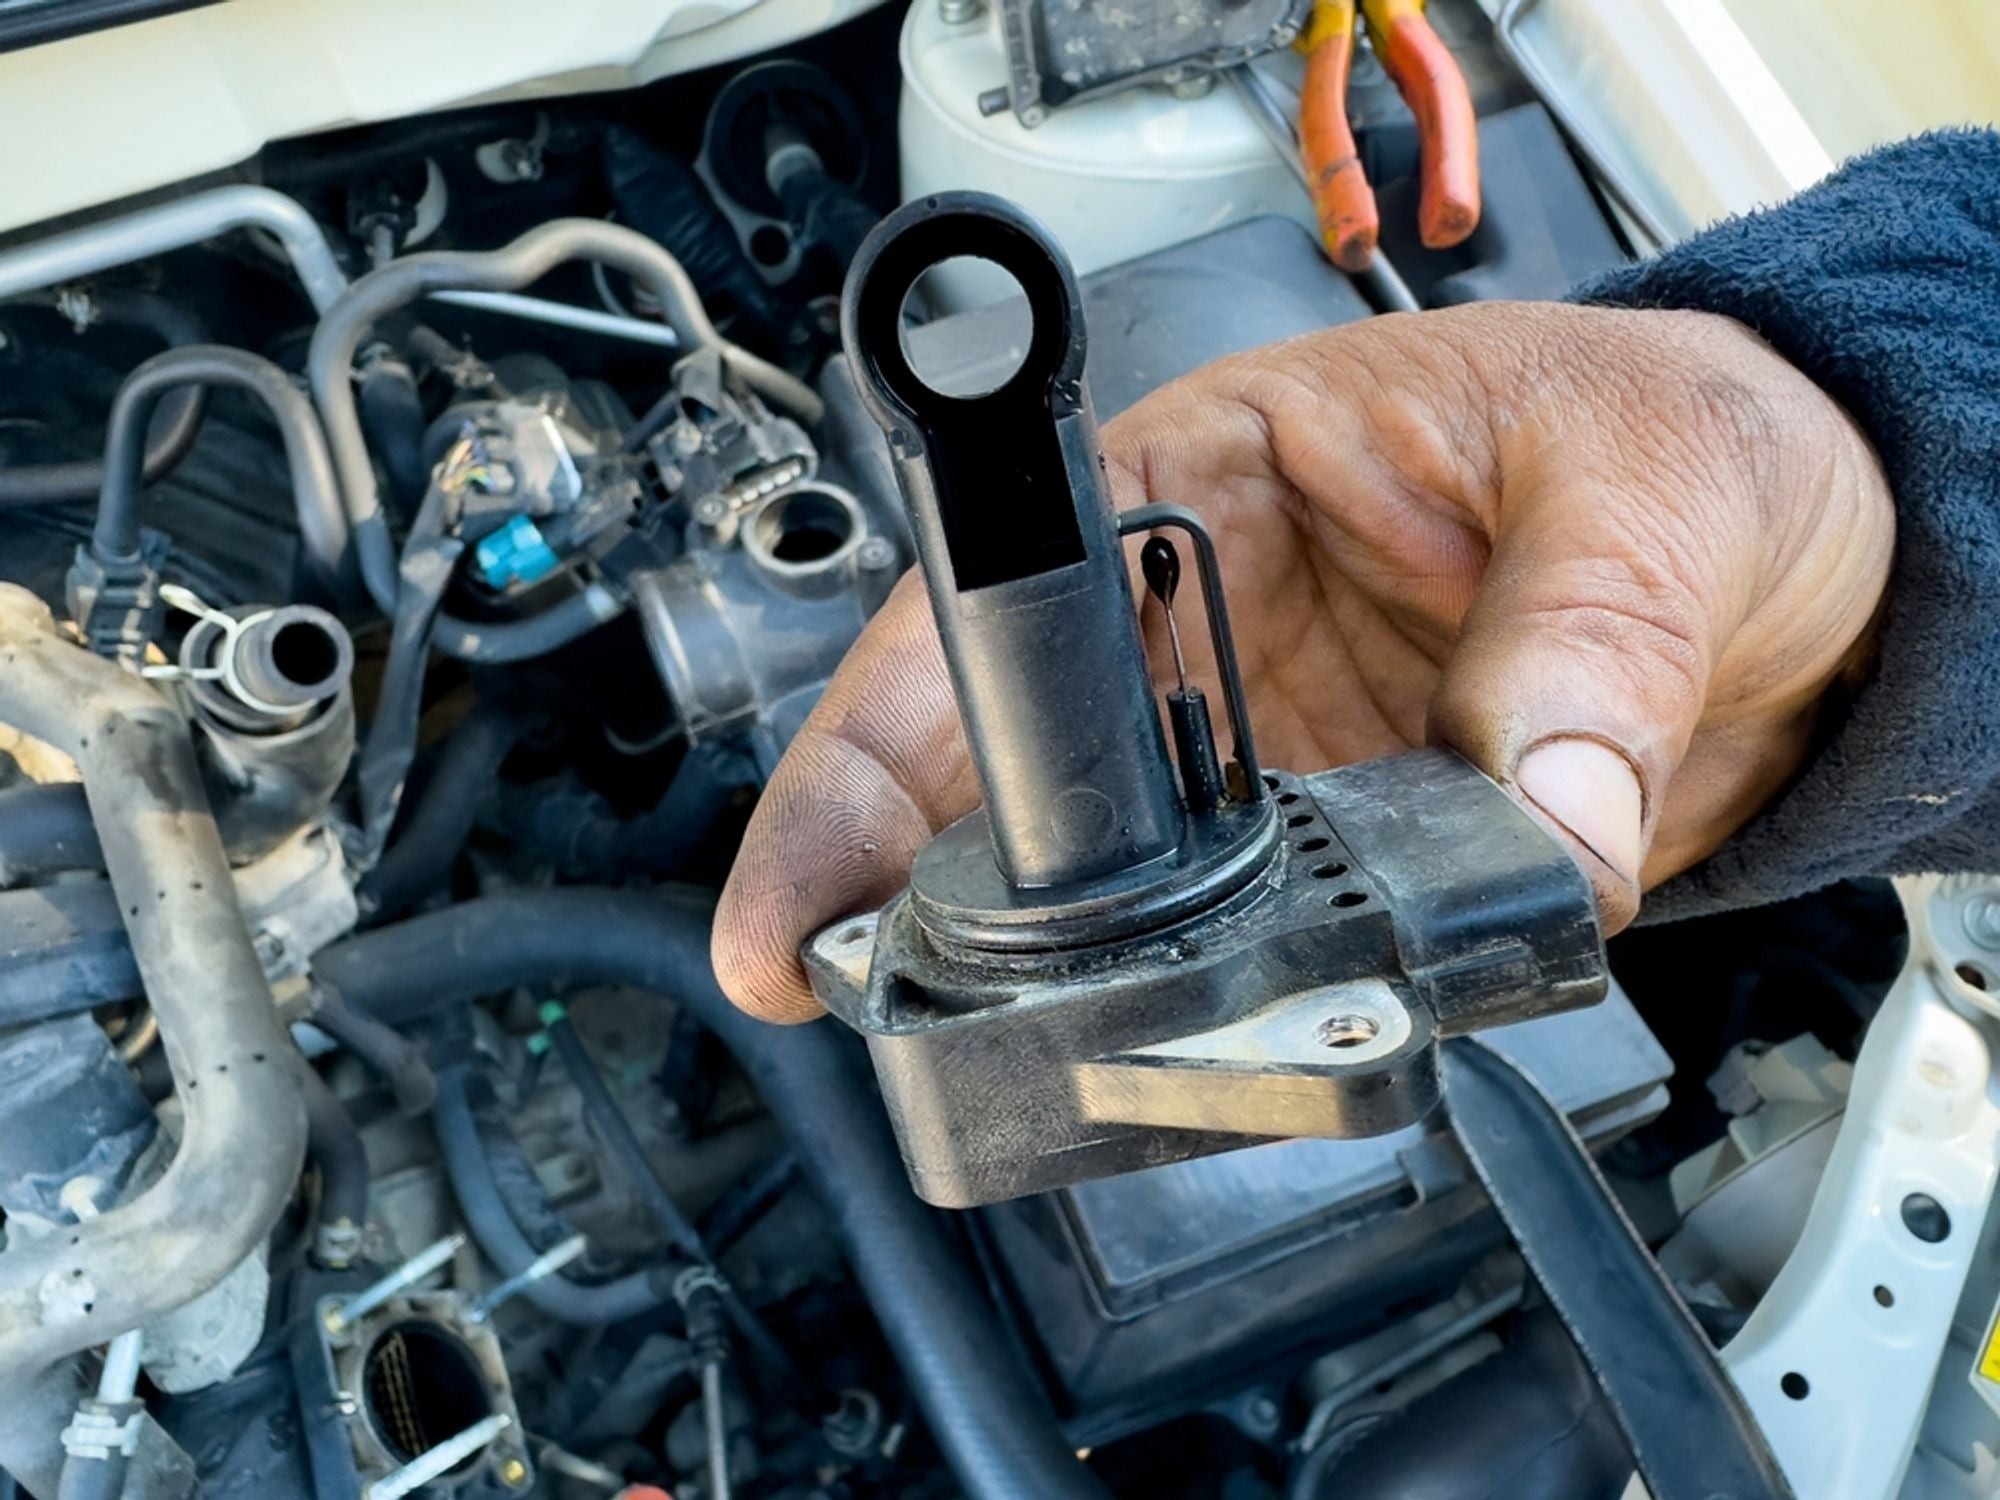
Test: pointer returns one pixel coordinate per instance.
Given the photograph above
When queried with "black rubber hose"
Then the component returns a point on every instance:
(500, 1239)
(504, 642)
(990, 1420)
(170, 436)
(577, 830)
(322, 523)
(1528, 1421)
(519, 1185)
(392, 415)
(333, 1146)
(747, 1200)
(418, 860)
(86, 1478)
(614, 1131)
(387, 1053)
(44, 830)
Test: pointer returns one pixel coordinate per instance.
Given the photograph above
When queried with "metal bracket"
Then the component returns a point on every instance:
(1838, 1359)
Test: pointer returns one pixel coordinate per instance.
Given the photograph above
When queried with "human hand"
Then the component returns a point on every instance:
(1614, 558)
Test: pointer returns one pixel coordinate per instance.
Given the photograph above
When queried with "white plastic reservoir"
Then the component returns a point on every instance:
(1111, 179)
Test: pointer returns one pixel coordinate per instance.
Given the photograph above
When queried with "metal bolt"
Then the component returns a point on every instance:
(1982, 922)
(875, 554)
(340, 1316)
(1284, 34)
(523, 159)
(269, 948)
(711, 510)
(436, 1462)
(513, 1473)
(852, 1428)
(1033, 115)
(960, 12)
(542, 1266)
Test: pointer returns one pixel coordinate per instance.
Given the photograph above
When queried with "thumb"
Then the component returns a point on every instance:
(1580, 672)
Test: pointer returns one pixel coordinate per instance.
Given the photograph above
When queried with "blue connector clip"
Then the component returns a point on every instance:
(515, 554)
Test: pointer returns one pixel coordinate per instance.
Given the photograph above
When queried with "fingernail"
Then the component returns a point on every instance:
(1590, 789)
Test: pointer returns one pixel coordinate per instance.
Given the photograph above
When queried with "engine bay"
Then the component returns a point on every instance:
(421, 543)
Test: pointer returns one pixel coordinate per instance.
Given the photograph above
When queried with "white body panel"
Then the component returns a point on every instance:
(100, 117)
(1112, 179)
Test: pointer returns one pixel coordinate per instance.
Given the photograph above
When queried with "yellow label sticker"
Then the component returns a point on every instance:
(1989, 1356)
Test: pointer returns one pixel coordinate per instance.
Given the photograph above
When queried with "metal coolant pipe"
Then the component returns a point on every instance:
(232, 1059)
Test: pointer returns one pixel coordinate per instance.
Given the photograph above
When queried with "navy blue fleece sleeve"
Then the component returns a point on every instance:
(1883, 285)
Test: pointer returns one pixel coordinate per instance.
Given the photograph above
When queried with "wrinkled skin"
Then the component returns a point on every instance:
(1615, 558)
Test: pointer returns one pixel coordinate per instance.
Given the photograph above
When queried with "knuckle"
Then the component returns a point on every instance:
(1632, 621)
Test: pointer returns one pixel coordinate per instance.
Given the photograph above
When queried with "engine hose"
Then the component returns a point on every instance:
(519, 1185)
(93, 1478)
(389, 1054)
(577, 830)
(497, 644)
(989, 1419)
(499, 1237)
(392, 415)
(745, 1201)
(45, 830)
(615, 1133)
(171, 435)
(322, 526)
(333, 1146)
(419, 858)
(338, 338)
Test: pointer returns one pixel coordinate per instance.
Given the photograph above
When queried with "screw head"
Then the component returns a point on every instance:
(513, 1473)
(1982, 921)
(876, 553)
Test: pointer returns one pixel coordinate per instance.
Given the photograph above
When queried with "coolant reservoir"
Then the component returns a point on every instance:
(1112, 179)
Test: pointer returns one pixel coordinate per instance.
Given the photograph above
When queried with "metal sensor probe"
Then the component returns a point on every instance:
(1129, 956)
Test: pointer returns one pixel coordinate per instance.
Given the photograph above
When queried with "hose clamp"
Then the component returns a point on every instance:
(101, 1429)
